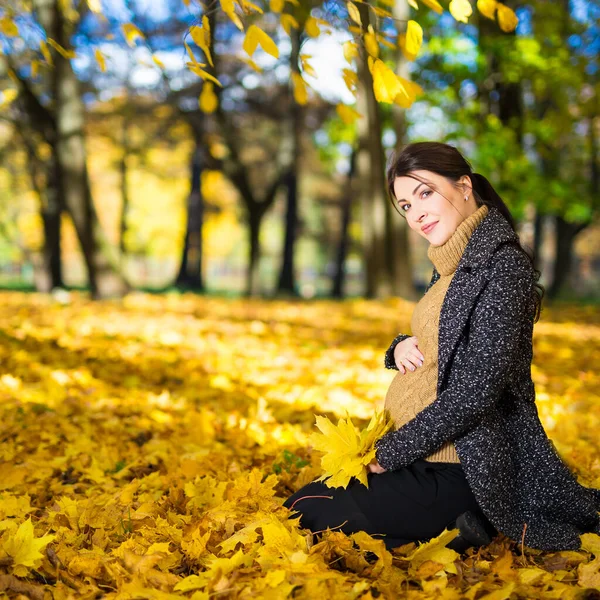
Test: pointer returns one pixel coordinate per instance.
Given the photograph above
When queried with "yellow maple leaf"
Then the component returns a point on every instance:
(312, 27)
(255, 36)
(507, 19)
(287, 22)
(8, 27)
(353, 12)
(24, 548)
(208, 101)
(201, 37)
(371, 44)
(461, 10)
(94, 5)
(350, 51)
(347, 113)
(46, 52)
(408, 94)
(8, 97)
(300, 89)
(159, 63)
(228, 7)
(276, 6)
(100, 60)
(68, 54)
(413, 40)
(350, 79)
(386, 84)
(487, 8)
(435, 549)
(346, 451)
(131, 33)
(433, 5)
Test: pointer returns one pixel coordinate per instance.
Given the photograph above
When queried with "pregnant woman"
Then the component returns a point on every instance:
(468, 449)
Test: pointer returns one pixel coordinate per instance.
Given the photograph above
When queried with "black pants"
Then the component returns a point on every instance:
(414, 503)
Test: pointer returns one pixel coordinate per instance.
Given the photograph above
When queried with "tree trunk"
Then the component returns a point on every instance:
(190, 271)
(337, 290)
(371, 176)
(51, 215)
(125, 197)
(538, 238)
(287, 276)
(563, 260)
(400, 259)
(255, 218)
(101, 258)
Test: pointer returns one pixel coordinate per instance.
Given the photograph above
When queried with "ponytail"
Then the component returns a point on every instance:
(486, 194)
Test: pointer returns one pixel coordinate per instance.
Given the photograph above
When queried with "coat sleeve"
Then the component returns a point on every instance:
(492, 348)
(389, 361)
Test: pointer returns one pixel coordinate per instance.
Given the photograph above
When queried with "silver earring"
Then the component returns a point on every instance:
(466, 198)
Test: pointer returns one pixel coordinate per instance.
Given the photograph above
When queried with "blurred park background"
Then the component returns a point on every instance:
(122, 168)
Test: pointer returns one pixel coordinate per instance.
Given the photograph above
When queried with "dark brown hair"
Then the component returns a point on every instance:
(447, 161)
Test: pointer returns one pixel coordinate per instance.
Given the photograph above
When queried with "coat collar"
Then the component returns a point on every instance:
(491, 232)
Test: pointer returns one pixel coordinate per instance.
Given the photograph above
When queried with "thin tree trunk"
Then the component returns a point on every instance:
(255, 218)
(190, 271)
(400, 259)
(339, 277)
(123, 171)
(371, 175)
(101, 258)
(287, 276)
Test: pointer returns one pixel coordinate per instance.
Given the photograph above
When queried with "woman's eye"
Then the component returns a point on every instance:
(404, 207)
(425, 192)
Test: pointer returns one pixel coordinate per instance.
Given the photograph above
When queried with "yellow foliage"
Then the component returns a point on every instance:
(8, 27)
(300, 89)
(350, 51)
(347, 113)
(208, 101)
(413, 40)
(371, 44)
(149, 443)
(487, 8)
(288, 22)
(100, 60)
(353, 12)
(257, 37)
(312, 27)
(68, 54)
(507, 19)
(131, 33)
(201, 37)
(228, 7)
(346, 452)
(461, 10)
(433, 5)
(24, 548)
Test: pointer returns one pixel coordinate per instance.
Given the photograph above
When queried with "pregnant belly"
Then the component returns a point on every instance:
(408, 394)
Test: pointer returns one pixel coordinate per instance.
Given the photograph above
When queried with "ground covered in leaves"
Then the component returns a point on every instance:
(147, 446)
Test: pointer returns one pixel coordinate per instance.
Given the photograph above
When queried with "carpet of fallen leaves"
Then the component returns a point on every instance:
(147, 446)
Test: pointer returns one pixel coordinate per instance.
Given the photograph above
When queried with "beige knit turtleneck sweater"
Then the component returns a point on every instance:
(410, 393)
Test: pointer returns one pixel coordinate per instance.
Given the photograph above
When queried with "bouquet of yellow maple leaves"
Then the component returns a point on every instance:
(346, 451)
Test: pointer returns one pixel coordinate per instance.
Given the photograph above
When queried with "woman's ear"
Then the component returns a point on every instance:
(466, 185)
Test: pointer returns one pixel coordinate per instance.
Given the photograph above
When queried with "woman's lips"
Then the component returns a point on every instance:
(430, 227)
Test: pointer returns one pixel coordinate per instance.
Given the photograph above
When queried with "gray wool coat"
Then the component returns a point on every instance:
(486, 400)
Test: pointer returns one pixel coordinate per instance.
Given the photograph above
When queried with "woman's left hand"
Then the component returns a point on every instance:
(375, 467)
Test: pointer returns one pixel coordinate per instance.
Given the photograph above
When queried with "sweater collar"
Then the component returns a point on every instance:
(493, 231)
(445, 258)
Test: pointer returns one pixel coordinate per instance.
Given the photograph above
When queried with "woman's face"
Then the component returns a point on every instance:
(424, 204)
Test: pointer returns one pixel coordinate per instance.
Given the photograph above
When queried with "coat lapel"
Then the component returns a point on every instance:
(469, 279)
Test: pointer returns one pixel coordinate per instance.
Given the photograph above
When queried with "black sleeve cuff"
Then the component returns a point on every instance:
(389, 361)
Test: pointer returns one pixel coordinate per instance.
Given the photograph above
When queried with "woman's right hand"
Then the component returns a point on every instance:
(407, 355)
